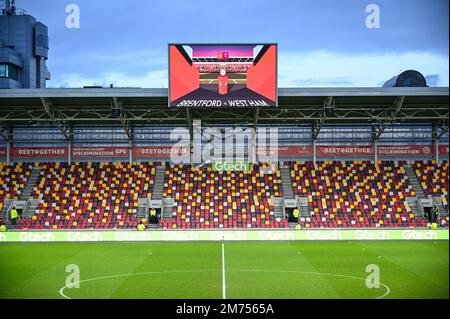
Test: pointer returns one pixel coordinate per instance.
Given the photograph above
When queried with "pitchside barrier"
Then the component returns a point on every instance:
(227, 235)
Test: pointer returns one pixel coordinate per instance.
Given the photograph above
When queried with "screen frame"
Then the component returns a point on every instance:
(220, 44)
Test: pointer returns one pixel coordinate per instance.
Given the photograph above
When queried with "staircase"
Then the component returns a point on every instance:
(292, 225)
(286, 182)
(167, 208)
(413, 203)
(9, 203)
(303, 206)
(442, 210)
(26, 203)
(142, 208)
(158, 185)
(4, 212)
(420, 194)
(152, 226)
(414, 182)
(31, 207)
(278, 207)
(31, 183)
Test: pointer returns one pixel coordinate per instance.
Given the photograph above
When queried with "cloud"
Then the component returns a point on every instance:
(323, 68)
(306, 69)
(151, 79)
(330, 81)
(432, 79)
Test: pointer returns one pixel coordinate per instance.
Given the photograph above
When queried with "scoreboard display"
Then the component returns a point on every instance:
(222, 75)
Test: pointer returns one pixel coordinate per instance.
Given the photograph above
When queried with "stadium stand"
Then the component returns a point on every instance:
(355, 194)
(434, 179)
(340, 194)
(90, 195)
(209, 199)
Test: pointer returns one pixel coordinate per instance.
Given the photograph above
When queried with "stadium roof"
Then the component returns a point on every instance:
(379, 105)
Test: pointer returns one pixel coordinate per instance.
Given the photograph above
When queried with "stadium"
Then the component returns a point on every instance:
(116, 192)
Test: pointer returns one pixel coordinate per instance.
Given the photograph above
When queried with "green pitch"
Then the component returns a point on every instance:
(418, 269)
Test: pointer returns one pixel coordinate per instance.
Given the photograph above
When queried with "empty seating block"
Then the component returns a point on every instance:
(233, 199)
(355, 194)
(90, 195)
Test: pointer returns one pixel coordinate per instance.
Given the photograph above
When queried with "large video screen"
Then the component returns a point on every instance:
(222, 75)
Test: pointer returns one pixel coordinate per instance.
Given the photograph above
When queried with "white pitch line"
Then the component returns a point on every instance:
(388, 290)
(61, 291)
(224, 289)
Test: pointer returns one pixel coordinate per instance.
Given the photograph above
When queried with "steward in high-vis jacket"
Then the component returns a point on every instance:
(296, 214)
(153, 216)
(435, 213)
(141, 226)
(14, 216)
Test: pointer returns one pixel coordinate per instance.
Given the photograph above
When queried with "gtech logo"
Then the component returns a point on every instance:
(230, 166)
(419, 235)
(29, 236)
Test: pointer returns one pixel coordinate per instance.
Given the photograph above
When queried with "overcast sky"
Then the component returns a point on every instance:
(321, 42)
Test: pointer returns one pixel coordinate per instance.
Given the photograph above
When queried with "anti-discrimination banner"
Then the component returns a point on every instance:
(96, 152)
(383, 150)
(165, 152)
(229, 235)
(285, 151)
(406, 150)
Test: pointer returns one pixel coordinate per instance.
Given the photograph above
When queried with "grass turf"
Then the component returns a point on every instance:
(417, 269)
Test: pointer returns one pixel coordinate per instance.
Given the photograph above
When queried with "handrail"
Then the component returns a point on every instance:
(25, 208)
(147, 207)
(422, 209)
